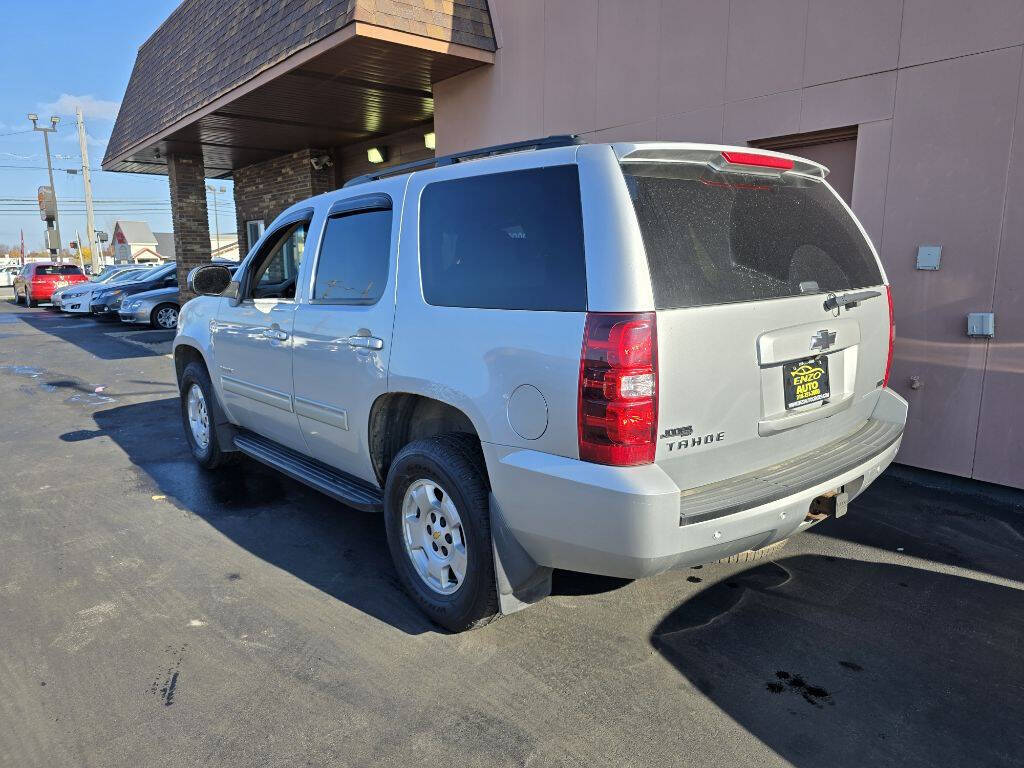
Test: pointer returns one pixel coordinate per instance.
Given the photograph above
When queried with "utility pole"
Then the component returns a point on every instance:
(78, 242)
(216, 214)
(90, 220)
(54, 244)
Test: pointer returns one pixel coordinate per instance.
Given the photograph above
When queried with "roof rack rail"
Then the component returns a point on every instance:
(563, 140)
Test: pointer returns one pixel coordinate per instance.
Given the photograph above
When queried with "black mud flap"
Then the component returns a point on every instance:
(520, 581)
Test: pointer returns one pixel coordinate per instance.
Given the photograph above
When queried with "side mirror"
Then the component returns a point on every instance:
(209, 279)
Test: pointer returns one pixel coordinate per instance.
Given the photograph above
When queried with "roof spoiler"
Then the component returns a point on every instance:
(725, 158)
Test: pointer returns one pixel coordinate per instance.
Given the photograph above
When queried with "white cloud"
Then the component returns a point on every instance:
(100, 109)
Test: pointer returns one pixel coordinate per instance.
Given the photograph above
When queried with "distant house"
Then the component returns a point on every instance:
(165, 245)
(224, 249)
(135, 243)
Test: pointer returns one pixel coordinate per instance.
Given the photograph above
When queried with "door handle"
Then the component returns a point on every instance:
(365, 342)
(275, 333)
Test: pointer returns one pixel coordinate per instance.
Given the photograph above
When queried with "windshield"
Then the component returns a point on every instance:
(128, 275)
(714, 237)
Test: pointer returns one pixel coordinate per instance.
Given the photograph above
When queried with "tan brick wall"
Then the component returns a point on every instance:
(263, 190)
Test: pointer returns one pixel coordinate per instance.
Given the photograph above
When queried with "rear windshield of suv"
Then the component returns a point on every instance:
(505, 241)
(719, 237)
(57, 269)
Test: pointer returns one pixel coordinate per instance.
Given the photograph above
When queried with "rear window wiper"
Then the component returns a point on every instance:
(849, 299)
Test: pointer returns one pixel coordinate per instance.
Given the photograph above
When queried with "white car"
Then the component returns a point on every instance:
(7, 275)
(76, 298)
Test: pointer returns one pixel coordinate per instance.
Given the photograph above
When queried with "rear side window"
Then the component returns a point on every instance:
(718, 237)
(57, 269)
(353, 264)
(505, 241)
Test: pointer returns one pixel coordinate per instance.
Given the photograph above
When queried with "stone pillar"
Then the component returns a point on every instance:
(191, 221)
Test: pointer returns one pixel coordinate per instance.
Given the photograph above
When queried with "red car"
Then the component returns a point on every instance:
(37, 282)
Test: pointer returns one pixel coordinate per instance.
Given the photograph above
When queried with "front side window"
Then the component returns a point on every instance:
(505, 241)
(277, 267)
(353, 264)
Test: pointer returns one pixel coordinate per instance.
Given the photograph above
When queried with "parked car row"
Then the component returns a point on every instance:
(134, 294)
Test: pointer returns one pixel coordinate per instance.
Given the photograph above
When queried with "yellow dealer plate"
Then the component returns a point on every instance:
(805, 381)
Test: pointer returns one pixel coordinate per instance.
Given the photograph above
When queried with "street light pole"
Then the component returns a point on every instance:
(216, 213)
(54, 252)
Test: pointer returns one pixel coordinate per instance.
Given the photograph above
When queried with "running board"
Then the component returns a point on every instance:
(317, 475)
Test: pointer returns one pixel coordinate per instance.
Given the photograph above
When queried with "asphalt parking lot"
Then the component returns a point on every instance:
(154, 614)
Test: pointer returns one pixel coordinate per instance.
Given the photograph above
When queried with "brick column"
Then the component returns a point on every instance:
(187, 177)
(265, 189)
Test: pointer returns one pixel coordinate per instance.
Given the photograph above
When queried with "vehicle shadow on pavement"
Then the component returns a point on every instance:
(90, 335)
(837, 662)
(937, 525)
(340, 551)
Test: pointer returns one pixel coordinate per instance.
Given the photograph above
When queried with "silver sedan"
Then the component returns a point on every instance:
(157, 308)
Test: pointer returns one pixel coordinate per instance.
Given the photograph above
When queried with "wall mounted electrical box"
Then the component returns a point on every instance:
(929, 256)
(981, 325)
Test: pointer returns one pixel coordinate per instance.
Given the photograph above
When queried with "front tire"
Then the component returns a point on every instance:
(199, 417)
(164, 316)
(17, 297)
(437, 517)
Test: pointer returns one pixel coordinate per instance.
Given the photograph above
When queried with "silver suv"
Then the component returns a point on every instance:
(613, 359)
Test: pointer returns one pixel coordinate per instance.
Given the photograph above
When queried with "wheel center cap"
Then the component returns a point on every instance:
(436, 535)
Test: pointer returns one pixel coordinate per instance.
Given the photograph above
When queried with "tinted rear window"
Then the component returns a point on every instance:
(505, 241)
(715, 238)
(57, 269)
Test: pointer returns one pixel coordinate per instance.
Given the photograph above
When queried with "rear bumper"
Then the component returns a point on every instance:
(632, 522)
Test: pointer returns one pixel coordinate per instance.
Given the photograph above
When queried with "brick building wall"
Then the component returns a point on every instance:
(265, 189)
(402, 147)
(187, 177)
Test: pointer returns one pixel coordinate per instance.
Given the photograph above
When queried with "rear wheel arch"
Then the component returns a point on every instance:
(399, 418)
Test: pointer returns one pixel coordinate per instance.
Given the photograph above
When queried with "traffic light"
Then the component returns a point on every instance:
(73, 245)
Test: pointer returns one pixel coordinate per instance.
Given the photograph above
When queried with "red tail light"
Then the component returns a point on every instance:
(753, 158)
(618, 398)
(892, 337)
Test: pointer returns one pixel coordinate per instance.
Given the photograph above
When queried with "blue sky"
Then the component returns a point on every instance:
(59, 54)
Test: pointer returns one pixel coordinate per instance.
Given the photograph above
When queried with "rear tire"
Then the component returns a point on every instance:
(429, 480)
(29, 301)
(199, 408)
(750, 555)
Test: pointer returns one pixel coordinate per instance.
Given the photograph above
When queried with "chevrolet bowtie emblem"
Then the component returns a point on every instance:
(822, 340)
(437, 535)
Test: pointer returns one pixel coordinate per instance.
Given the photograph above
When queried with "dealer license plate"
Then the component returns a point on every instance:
(805, 381)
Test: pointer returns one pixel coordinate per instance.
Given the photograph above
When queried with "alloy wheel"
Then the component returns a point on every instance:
(198, 416)
(434, 538)
(167, 318)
